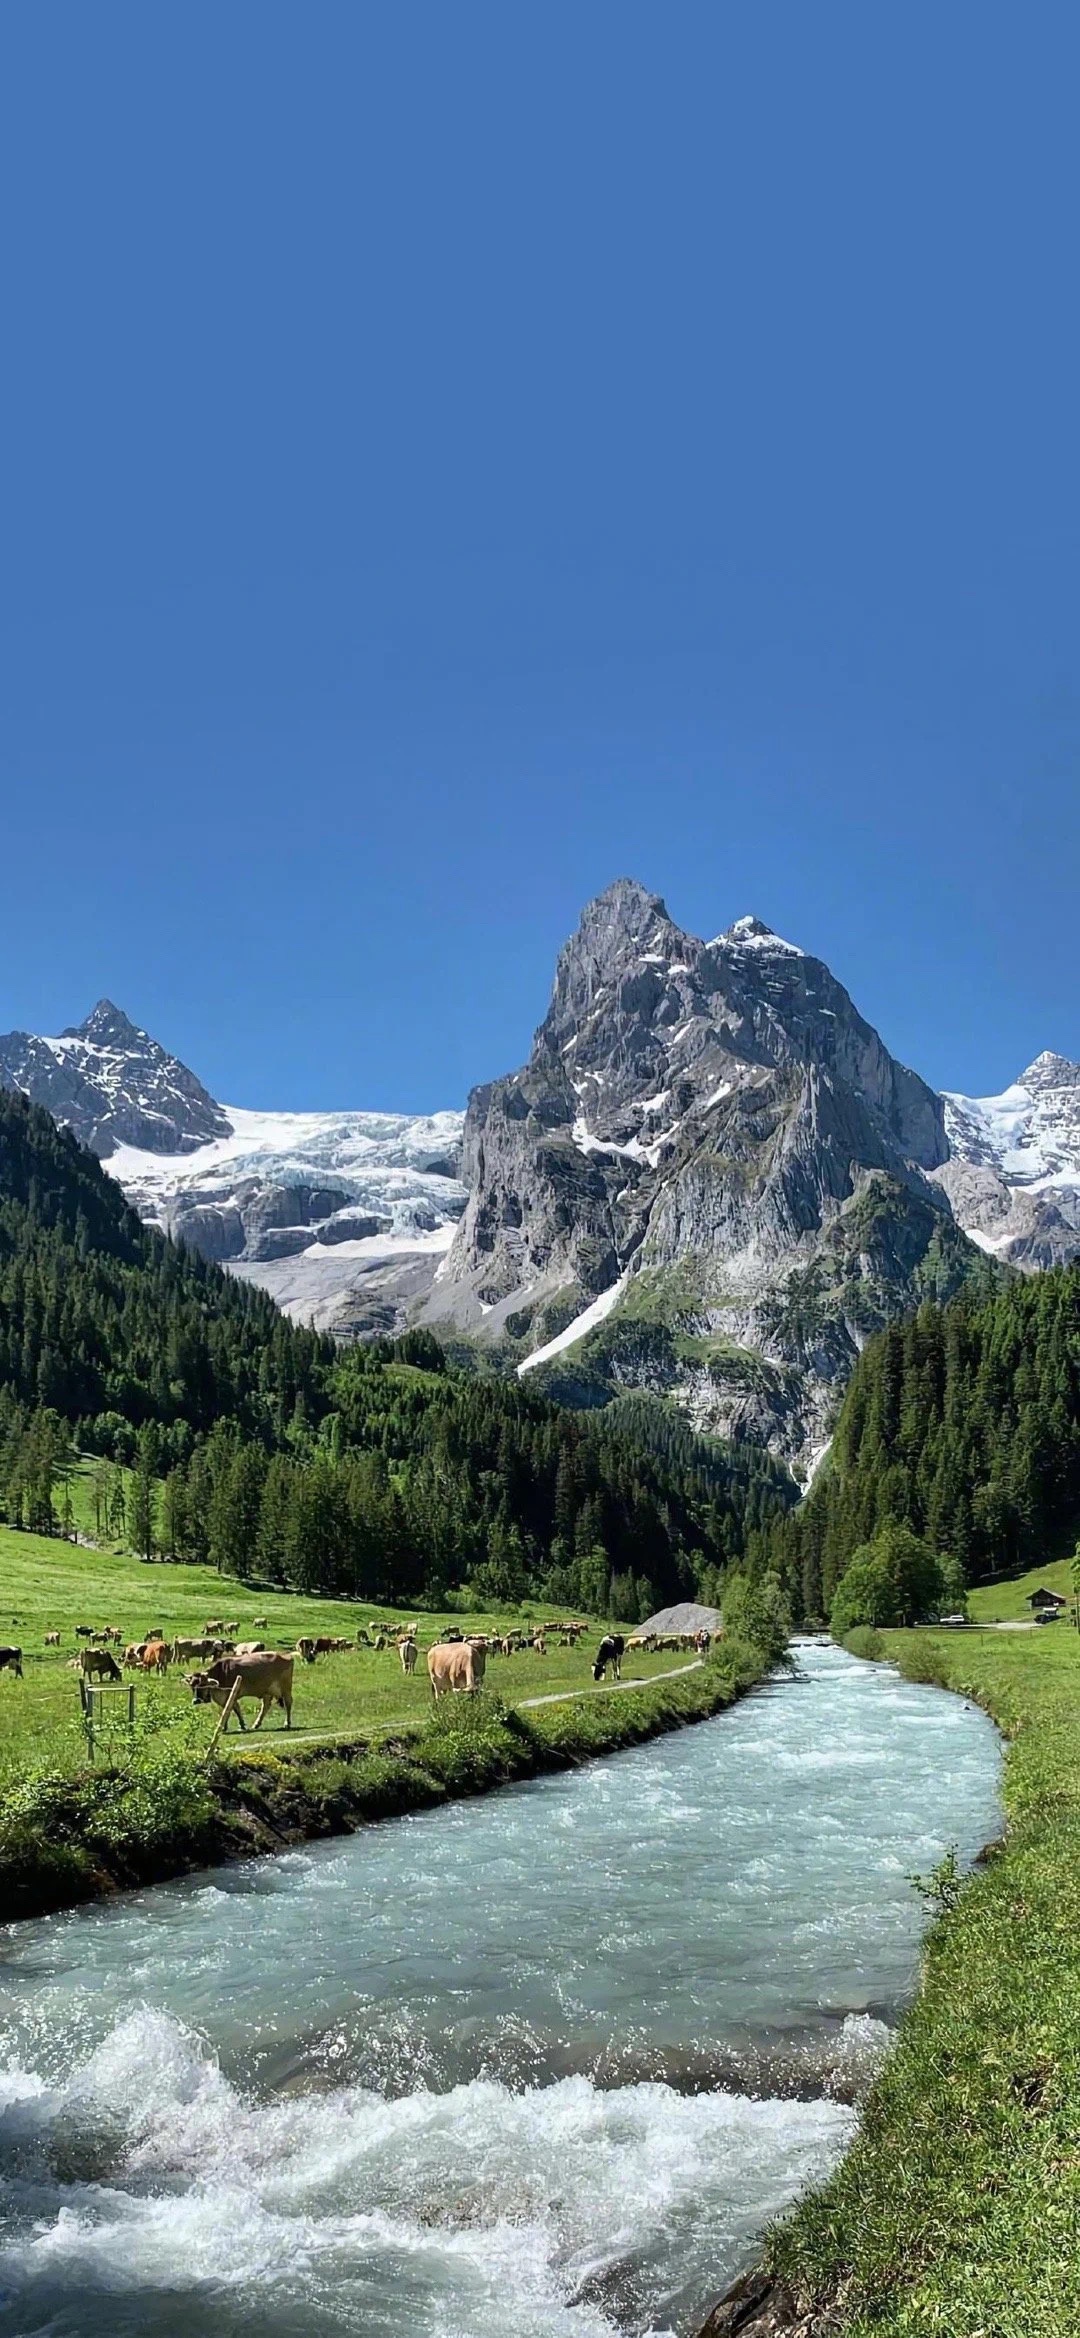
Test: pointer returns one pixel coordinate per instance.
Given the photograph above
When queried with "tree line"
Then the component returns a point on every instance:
(961, 1425)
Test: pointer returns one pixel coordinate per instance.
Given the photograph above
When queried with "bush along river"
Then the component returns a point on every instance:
(542, 2063)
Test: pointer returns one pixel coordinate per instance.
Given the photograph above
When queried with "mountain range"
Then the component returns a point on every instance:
(710, 1180)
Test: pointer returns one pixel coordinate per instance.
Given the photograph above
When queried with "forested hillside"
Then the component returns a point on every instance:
(962, 1424)
(380, 1473)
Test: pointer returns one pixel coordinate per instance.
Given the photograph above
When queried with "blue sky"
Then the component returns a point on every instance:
(455, 456)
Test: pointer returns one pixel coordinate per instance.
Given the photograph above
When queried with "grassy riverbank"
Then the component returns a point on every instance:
(160, 1811)
(958, 2209)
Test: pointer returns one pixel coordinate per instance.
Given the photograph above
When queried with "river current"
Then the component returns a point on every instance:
(542, 2063)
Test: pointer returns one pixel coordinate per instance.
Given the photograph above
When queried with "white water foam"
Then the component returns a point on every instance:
(558, 2209)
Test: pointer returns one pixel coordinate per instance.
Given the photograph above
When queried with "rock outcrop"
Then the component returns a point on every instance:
(711, 1178)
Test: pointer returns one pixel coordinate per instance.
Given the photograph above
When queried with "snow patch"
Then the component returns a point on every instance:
(586, 1321)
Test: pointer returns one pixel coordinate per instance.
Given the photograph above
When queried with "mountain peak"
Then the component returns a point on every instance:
(1050, 1071)
(752, 933)
(105, 1022)
(626, 905)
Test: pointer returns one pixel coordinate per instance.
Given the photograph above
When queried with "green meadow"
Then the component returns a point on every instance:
(47, 1585)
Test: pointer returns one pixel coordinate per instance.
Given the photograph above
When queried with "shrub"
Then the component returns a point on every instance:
(864, 1641)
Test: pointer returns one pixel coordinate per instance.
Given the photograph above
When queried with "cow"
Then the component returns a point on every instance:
(97, 1663)
(539, 1645)
(52, 1639)
(133, 1655)
(213, 1628)
(267, 1676)
(610, 1651)
(84, 1631)
(242, 1648)
(406, 1649)
(305, 1649)
(455, 1665)
(259, 1623)
(11, 1661)
(155, 1657)
(186, 1651)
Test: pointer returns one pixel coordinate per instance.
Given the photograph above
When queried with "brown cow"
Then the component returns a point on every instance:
(11, 1661)
(268, 1676)
(406, 1649)
(456, 1665)
(52, 1639)
(97, 1662)
(183, 1651)
(242, 1648)
(155, 1657)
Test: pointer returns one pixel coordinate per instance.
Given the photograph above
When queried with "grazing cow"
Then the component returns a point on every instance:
(456, 1665)
(11, 1661)
(155, 1657)
(406, 1649)
(267, 1676)
(539, 1645)
(259, 1623)
(610, 1652)
(84, 1631)
(97, 1663)
(133, 1655)
(52, 1639)
(188, 1651)
(213, 1627)
(232, 1629)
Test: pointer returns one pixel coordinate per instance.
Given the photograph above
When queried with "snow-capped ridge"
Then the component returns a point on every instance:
(751, 933)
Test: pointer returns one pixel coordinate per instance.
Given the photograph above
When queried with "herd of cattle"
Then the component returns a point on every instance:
(227, 1668)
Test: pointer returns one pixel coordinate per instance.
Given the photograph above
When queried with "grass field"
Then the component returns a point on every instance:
(957, 2211)
(48, 1585)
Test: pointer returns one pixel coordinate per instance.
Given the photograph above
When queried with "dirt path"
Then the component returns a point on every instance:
(607, 1688)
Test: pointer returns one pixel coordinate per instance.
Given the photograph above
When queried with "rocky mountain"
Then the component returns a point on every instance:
(711, 1179)
(113, 1085)
(342, 1216)
(1013, 1173)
